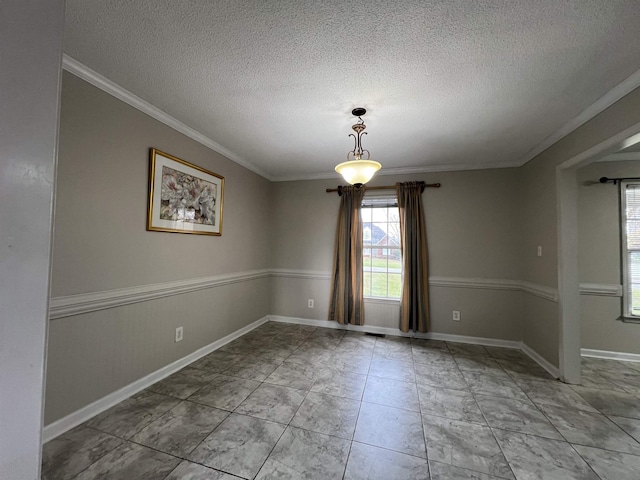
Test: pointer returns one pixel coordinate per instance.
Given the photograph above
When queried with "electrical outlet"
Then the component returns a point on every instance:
(310, 303)
(456, 315)
(179, 334)
(539, 250)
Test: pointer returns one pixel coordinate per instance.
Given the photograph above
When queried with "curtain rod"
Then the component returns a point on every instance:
(616, 180)
(384, 187)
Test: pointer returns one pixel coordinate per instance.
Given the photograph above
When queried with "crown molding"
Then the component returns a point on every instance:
(73, 66)
(80, 70)
(620, 157)
(612, 96)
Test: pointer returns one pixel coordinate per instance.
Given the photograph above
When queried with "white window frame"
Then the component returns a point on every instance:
(627, 296)
(392, 201)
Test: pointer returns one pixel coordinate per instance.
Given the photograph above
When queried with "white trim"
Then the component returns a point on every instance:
(543, 362)
(477, 283)
(90, 302)
(447, 337)
(74, 419)
(308, 274)
(621, 157)
(622, 356)
(80, 70)
(601, 289)
(604, 102)
(82, 303)
(73, 66)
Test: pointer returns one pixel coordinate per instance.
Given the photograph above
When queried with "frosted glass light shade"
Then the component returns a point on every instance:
(358, 171)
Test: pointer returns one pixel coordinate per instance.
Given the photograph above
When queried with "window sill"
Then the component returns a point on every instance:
(629, 319)
(385, 301)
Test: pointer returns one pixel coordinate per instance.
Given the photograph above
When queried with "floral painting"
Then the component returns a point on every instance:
(183, 197)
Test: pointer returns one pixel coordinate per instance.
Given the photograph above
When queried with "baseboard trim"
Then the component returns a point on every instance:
(490, 342)
(540, 360)
(74, 419)
(622, 356)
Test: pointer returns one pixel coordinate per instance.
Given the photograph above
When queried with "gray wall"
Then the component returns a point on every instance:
(472, 230)
(599, 258)
(101, 243)
(541, 330)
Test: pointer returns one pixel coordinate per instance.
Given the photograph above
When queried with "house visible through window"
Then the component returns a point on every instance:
(630, 233)
(382, 263)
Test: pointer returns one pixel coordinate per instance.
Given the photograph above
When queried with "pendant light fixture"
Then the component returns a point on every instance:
(356, 170)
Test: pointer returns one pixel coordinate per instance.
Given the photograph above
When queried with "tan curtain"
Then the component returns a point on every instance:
(414, 306)
(347, 299)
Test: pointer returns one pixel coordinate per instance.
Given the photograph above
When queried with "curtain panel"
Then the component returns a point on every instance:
(347, 299)
(414, 304)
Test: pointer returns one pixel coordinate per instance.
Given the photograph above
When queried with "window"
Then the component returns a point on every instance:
(382, 263)
(630, 226)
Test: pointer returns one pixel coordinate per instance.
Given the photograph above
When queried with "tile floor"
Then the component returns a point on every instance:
(297, 402)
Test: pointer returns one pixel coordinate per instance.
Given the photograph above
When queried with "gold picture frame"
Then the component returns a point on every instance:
(183, 198)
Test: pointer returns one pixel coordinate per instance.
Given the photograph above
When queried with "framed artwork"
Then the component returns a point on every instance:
(183, 198)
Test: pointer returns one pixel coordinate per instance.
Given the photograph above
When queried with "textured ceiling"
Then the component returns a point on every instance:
(447, 84)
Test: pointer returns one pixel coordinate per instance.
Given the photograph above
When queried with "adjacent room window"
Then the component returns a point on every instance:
(382, 263)
(630, 234)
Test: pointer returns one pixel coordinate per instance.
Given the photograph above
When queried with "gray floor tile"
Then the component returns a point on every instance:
(553, 392)
(479, 364)
(73, 451)
(254, 368)
(394, 393)
(467, 349)
(520, 416)
(239, 445)
(341, 362)
(131, 415)
(629, 425)
(443, 471)
(393, 369)
(465, 445)
(130, 461)
(427, 344)
(327, 414)
(534, 457)
(611, 465)
(272, 402)
(591, 379)
(507, 353)
(184, 383)
(524, 369)
(345, 385)
(433, 357)
(611, 403)
(225, 392)
(218, 361)
(181, 429)
(300, 377)
(304, 455)
(391, 428)
(591, 429)
(453, 404)
(440, 376)
(495, 385)
(367, 462)
(192, 471)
